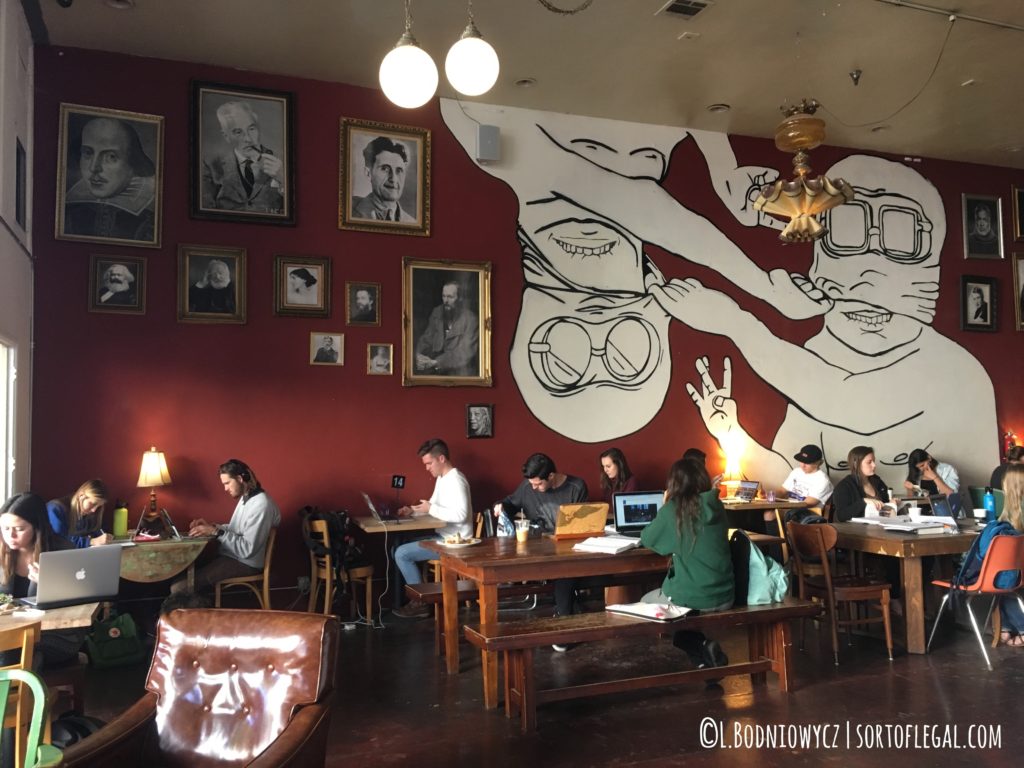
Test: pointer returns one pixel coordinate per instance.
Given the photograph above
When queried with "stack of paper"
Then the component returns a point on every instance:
(609, 545)
(650, 611)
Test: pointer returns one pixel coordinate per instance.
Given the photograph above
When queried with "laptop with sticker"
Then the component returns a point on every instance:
(746, 492)
(579, 521)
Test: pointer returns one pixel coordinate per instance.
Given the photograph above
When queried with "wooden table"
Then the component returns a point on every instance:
(910, 548)
(69, 617)
(401, 529)
(496, 561)
(150, 561)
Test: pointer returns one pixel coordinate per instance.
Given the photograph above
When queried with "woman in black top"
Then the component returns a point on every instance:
(862, 485)
(24, 535)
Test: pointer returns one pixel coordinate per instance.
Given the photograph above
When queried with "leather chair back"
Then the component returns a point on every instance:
(229, 681)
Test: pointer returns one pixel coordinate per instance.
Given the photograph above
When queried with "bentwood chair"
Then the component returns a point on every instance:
(30, 750)
(1005, 553)
(227, 688)
(17, 650)
(815, 545)
(322, 571)
(258, 583)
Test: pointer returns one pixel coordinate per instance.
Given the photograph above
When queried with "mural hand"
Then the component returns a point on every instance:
(743, 185)
(715, 403)
(692, 304)
(795, 296)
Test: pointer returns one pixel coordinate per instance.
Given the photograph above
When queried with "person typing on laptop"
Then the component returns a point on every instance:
(449, 502)
(242, 542)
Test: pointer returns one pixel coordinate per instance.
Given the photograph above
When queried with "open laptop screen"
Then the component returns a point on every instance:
(75, 576)
(633, 511)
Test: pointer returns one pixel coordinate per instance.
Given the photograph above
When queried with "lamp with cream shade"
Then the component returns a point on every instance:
(152, 475)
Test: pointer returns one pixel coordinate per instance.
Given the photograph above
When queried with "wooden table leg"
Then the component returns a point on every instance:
(450, 604)
(527, 693)
(191, 576)
(489, 659)
(913, 604)
(782, 659)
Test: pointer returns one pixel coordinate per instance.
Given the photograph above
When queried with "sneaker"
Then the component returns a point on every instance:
(713, 656)
(562, 647)
(415, 609)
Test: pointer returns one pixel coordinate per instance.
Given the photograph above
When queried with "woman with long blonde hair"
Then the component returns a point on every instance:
(77, 518)
(1009, 609)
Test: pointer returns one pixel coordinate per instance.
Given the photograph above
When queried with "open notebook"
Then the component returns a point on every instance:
(650, 611)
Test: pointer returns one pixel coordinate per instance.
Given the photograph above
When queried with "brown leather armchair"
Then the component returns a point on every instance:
(227, 688)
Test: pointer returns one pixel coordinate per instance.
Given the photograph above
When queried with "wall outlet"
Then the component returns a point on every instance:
(303, 585)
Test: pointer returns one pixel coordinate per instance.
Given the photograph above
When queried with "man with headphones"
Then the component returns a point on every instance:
(242, 542)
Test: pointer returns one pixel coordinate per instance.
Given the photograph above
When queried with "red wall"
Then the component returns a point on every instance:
(108, 386)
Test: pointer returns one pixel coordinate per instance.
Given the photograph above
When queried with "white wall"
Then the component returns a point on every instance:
(16, 268)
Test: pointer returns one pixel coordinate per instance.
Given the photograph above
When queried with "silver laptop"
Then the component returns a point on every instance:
(75, 576)
(746, 492)
(634, 511)
(380, 518)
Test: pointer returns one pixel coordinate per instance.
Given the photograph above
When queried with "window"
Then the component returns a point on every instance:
(7, 376)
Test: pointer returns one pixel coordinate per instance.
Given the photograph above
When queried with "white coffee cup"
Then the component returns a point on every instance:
(979, 514)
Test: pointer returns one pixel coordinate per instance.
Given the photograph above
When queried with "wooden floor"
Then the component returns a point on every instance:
(396, 706)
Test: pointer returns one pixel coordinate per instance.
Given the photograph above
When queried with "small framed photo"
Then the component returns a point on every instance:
(479, 420)
(211, 284)
(326, 348)
(446, 326)
(983, 227)
(117, 284)
(1018, 289)
(243, 157)
(384, 178)
(380, 359)
(1018, 208)
(109, 176)
(978, 303)
(302, 286)
(362, 303)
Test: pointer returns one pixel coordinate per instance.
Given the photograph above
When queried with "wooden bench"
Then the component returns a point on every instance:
(768, 637)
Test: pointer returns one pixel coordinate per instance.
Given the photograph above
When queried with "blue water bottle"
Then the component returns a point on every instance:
(990, 505)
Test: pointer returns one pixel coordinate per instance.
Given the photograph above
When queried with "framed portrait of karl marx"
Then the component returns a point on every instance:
(384, 178)
(109, 176)
(117, 284)
(446, 328)
(243, 157)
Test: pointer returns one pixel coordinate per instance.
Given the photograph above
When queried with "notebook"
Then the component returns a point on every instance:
(381, 517)
(75, 576)
(746, 492)
(633, 511)
(578, 521)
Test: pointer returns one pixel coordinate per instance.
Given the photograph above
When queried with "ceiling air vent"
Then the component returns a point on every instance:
(685, 9)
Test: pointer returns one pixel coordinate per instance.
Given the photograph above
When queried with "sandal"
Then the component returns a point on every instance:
(1016, 641)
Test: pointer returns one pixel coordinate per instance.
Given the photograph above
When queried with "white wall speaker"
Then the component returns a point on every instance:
(488, 144)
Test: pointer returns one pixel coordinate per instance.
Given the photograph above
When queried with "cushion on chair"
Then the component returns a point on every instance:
(229, 681)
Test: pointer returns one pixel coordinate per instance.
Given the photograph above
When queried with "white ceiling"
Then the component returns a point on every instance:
(621, 59)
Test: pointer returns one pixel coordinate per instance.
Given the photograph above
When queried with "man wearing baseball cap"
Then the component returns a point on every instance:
(808, 482)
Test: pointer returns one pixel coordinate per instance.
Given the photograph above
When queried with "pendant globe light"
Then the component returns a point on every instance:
(408, 76)
(471, 64)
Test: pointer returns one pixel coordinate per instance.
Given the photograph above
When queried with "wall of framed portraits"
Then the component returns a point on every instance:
(108, 384)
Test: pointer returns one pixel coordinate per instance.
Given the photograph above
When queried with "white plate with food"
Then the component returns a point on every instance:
(458, 543)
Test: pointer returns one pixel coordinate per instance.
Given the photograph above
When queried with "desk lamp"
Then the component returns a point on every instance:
(152, 474)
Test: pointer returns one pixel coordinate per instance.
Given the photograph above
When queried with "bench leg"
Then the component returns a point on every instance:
(758, 650)
(782, 659)
(488, 659)
(511, 674)
(527, 692)
(438, 634)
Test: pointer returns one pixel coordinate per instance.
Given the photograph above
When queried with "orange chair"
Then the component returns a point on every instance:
(1005, 553)
(812, 545)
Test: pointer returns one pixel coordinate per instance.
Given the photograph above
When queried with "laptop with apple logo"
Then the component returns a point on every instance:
(76, 576)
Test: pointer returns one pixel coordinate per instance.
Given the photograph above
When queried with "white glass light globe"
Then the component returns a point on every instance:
(408, 76)
(471, 66)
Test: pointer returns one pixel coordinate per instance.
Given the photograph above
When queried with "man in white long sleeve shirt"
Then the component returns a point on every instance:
(242, 542)
(450, 502)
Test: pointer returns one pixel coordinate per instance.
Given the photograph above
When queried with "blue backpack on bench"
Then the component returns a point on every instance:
(759, 580)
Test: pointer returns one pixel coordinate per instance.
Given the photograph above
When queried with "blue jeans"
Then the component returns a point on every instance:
(1013, 619)
(408, 556)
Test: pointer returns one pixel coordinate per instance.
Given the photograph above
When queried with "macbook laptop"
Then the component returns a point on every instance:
(75, 576)
(941, 506)
(381, 517)
(578, 521)
(746, 492)
(633, 511)
(172, 529)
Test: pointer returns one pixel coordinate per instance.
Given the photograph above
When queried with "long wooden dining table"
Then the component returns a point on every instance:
(503, 560)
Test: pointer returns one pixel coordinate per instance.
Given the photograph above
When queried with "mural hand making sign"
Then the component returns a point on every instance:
(592, 332)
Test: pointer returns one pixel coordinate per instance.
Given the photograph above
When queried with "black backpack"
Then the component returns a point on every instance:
(345, 551)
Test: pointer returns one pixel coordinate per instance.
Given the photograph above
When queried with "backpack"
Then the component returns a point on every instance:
(970, 569)
(763, 580)
(345, 552)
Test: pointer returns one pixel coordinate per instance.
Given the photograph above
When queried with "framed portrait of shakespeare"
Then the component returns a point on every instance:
(978, 303)
(983, 227)
(109, 176)
(1018, 208)
(362, 303)
(1018, 289)
(211, 284)
(302, 286)
(384, 178)
(479, 420)
(326, 348)
(243, 158)
(379, 359)
(446, 328)
(117, 284)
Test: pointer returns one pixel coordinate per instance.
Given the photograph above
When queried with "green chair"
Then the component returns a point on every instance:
(36, 755)
(978, 498)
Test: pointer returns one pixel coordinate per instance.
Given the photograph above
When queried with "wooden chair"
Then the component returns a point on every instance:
(30, 750)
(18, 641)
(261, 580)
(322, 571)
(817, 543)
(1005, 553)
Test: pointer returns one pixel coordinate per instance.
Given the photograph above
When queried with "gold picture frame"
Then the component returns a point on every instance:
(440, 349)
(203, 294)
(1018, 208)
(380, 359)
(365, 309)
(302, 286)
(1018, 288)
(326, 348)
(384, 178)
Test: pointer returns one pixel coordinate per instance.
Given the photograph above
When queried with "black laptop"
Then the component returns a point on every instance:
(634, 511)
